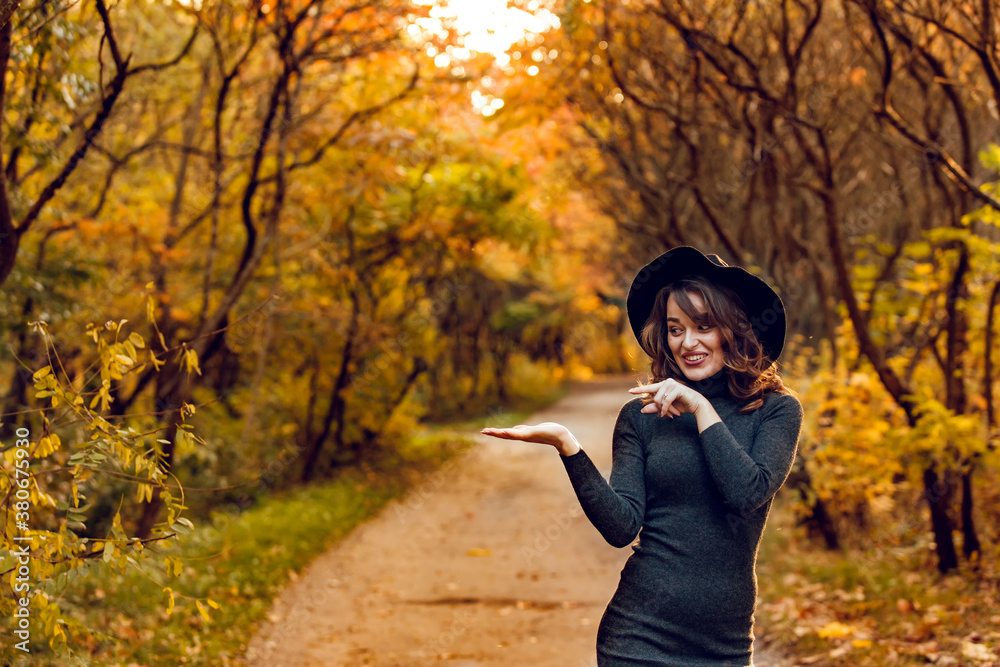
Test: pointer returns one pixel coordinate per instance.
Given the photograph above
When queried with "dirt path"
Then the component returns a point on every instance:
(489, 561)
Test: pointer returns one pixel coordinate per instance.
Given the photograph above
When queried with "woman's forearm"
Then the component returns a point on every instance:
(568, 444)
(706, 415)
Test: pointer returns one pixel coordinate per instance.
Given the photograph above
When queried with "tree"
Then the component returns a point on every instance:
(675, 97)
(85, 129)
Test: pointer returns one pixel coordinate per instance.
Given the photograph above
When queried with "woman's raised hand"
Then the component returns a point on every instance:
(546, 433)
(670, 397)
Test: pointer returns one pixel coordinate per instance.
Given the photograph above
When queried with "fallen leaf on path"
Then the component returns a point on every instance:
(478, 552)
(977, 651)
(840, 652)
(834, 629)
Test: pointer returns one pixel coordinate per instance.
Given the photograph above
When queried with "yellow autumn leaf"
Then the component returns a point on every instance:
(202, 611)
(58, 636)
(150, 309)
(834, 629)
(479, 552)
(192, 360)
(47, 445)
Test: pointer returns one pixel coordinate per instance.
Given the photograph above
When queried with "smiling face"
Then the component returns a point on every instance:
(697, 347)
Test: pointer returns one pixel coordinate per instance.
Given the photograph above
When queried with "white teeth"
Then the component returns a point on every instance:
(697, 357)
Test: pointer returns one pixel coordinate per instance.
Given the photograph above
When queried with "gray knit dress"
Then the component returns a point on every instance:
(688, 590)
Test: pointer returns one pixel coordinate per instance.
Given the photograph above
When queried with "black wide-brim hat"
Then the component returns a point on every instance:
(763, 305)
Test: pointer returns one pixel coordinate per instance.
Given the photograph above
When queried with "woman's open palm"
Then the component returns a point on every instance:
(546, 433)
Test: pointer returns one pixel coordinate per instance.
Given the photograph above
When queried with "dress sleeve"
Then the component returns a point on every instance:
(615, 507)
(748, 478)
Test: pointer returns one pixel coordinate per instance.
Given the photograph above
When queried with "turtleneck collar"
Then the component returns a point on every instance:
(714, 385)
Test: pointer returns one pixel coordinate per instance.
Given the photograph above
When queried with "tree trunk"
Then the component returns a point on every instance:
(372, 437)
(819, 520)
(7, 9)
(938, 493)
(16, 401)
(502, 360)
(956, 397)
(335, 409)
(988, 354)
(8, 235)
(970, 541)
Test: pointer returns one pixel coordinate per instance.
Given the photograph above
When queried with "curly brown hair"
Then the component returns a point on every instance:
(752, 374)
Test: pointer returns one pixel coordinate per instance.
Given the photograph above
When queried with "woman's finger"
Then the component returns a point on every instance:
(667, 402)
(653, 408)
(506, 435)
(499, 432)
(662, 399)
(540, 433)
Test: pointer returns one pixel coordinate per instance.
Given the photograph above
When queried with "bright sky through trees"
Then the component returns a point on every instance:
(486, 26)
(490, 26)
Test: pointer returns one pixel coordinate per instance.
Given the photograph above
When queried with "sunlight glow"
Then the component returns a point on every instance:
(489, 26)
(486, 26)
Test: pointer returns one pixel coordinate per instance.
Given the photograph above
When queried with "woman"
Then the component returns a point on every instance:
(695, 464)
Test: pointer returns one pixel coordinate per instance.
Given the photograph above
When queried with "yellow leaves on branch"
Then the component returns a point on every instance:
(46, 445)
(144, 492)
(173, 565)
(170, 600)
(189, 360)
(184, 438)
(938, 426)
(202, 606)
(116, 358)
(121, 357)
(151, 316)
(102, 446)
(46, 386)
